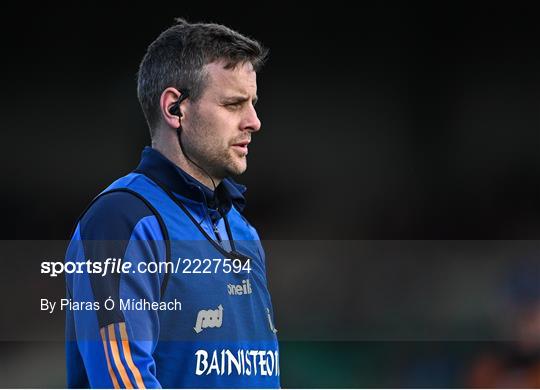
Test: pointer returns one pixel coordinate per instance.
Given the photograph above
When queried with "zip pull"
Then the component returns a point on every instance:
(216, 232)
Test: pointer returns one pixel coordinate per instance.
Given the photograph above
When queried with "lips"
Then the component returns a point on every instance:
(242, 147)
(243, 143)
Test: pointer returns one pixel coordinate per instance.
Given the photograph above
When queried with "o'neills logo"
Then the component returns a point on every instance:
(240, 289)
(209, 319)
(242, 362)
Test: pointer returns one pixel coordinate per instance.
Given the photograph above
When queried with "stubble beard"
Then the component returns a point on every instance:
(218, 159)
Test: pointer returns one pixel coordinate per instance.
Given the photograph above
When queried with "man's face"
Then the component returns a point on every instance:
(218, 127)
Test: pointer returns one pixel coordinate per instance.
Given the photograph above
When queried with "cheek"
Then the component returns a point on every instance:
(223, 128)
(216, 128)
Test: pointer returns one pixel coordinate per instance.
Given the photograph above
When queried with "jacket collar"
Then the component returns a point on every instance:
(228, 192)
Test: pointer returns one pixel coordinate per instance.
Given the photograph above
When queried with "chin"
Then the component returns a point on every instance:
(237, 171)
(237, 168)
(232, 164)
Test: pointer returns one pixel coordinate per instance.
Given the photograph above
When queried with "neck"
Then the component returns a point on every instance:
(168, 146)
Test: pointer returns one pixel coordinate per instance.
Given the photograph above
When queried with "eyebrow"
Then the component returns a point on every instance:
(240, 98)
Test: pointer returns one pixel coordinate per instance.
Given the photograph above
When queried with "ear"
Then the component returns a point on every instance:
(167, 100)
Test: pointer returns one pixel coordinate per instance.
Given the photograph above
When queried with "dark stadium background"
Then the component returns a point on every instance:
(395, 180)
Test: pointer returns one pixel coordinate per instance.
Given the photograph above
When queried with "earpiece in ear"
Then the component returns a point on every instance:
(174, 109)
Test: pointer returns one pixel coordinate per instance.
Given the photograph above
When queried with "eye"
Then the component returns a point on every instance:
(233, 106)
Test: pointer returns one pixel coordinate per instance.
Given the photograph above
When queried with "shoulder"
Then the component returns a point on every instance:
(115, 215)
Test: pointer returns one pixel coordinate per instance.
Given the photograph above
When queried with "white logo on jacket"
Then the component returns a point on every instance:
(240, 289)
(209, 319)
(272, 328)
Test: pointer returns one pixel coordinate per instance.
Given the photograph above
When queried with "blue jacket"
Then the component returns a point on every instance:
(192, 310)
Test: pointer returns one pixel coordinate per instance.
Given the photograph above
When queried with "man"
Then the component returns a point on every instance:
(206, 321)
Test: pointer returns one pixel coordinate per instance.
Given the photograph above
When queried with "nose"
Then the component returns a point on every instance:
(251, 121)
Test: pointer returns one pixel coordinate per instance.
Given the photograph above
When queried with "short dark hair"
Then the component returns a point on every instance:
(177, 57)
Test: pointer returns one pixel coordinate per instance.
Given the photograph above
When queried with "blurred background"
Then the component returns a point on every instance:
(394, 182)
